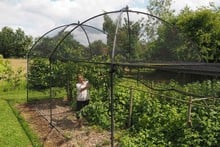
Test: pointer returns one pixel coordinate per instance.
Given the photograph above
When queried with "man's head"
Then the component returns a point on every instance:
(80, 78)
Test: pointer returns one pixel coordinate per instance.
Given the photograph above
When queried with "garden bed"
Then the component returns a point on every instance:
(65, 129)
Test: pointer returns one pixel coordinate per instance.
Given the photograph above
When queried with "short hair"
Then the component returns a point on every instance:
(80, 75)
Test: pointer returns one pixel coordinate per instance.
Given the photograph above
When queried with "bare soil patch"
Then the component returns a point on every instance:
(65, 130)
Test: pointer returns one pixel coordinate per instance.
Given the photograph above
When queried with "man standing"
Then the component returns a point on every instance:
(82, 94)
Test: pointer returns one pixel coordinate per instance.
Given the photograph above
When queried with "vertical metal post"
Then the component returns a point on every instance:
(129, 34)
(50, 92)
(112, 77)
(112, 104)
(27, 79)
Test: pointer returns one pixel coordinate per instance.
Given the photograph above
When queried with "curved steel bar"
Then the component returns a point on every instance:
(105, 13)
(112, 69)
(33, 46)
(28, 53)
(85, 25)
(129, 33)
(65, 26)
(116, 33)
(87, 37)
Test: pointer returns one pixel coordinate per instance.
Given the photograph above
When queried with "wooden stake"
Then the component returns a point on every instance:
(130, 107)
(189, 121)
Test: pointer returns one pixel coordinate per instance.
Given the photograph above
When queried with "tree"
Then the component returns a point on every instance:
(99, 48)
(6, 42)
(196, 37)
(22, 43)
(14, 44)
(161, 9)
(127, 38)
(59, 67)
(202, 28)
(160, 36)
(109, 26)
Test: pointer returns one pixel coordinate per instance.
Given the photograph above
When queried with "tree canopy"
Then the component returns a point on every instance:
(14, 43)
(202, 27)
(197, 37)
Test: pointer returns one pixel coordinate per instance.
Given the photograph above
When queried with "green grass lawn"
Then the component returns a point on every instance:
(14, 131)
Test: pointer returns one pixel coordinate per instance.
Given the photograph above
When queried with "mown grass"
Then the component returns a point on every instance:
(11, 133)
(14, 131)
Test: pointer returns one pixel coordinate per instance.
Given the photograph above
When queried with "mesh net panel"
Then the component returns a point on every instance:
(126, 37)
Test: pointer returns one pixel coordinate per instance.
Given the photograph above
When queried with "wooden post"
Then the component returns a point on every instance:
(130, 107)
(189, 121)
(68, 89)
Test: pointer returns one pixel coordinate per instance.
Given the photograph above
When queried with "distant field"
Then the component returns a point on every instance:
(18, 63)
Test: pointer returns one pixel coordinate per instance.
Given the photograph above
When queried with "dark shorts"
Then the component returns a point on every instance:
(81, 104)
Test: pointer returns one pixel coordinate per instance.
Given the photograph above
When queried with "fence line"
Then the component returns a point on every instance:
(189, 102)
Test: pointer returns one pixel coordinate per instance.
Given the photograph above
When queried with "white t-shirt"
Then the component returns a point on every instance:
(83, 95)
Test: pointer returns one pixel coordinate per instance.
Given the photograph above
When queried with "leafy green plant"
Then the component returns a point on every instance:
(38, 76)
(158, 118)
(11, 79)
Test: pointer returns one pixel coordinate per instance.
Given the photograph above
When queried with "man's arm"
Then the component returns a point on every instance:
(86, 87)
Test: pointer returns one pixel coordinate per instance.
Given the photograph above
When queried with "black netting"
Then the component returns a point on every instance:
(114, 49)
(122, 37)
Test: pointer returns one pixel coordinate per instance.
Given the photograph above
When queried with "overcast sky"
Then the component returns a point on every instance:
(36, 17)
